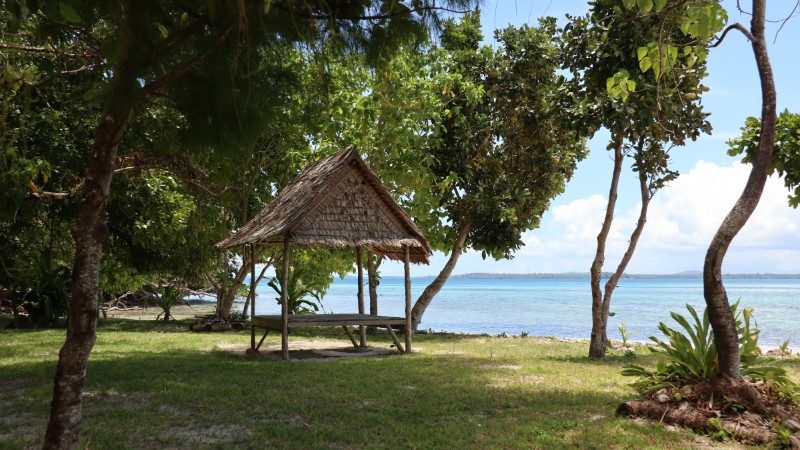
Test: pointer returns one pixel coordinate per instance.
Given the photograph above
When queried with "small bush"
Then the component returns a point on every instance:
(166, 296)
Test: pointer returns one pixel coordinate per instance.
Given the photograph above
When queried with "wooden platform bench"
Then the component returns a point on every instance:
(274, 323)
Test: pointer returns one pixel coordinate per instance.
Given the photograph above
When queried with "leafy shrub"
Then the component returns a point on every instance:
(47, 299)
(690, 355)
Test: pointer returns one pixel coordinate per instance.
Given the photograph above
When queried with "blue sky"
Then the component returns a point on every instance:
(683, 216)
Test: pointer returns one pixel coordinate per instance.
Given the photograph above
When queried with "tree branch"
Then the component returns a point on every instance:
(44, 195)
(176, 38)
(177, 72)
(735, 26)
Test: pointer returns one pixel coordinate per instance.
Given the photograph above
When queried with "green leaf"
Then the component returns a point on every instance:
(660, 4)
(645, 64)
(645, 5)
(68, 13)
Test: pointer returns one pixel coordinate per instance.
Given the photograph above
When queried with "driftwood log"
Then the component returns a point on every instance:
(207, 327)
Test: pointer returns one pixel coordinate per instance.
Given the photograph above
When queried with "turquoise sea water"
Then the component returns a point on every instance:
(561, 307)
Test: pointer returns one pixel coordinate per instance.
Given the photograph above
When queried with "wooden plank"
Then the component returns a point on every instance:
(285, 300)
(262, 340)
(407, 270)
(362, 331)
(350, 335)
(274, 322)
(394, 338)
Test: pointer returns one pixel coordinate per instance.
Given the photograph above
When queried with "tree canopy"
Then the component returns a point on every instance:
(785, 156)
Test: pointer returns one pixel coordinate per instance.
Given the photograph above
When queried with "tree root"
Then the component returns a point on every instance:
(697, 420)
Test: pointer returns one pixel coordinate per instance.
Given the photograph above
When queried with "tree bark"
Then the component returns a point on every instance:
(436, 285)
(597, 344)
(722, 320)
(89, 233)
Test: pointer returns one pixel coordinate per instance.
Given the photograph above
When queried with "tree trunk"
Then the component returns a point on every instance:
(373, 263)
(89, 233)
(228, 295)
(258, 280)
(436, 285)
(722, 320)
(613, 280)
(597, 345)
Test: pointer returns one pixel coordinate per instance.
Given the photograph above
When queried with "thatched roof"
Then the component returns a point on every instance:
(337, 201)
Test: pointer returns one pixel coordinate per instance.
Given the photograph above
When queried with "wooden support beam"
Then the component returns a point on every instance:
(394, 338)
(285, 300)
(406, 259)
(262, 339)
(350, 335)
(252, 296)
(362, 330)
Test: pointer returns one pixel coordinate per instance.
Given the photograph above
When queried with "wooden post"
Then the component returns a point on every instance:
(362, 330)
(252, 296)
(406, 260)
(285, 300)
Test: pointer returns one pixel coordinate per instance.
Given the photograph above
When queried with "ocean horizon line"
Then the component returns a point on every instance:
(689, 274)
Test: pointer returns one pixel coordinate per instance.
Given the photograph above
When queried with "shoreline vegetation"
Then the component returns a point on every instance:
(520, 392)
(200, 308)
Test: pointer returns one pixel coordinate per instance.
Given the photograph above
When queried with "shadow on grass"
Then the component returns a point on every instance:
(609, 360)
(184, 399)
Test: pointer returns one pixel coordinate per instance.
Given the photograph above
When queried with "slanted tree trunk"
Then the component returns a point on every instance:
(722, 320)
(227, 295)
(89, 233)
(258, 280)
(597, 345)
(436, 285)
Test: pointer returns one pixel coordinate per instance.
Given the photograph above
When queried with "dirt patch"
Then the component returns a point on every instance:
(214, 434)
(308, 350)
(500, 366)
(521, 380)
(449, 352)
(27, 430)
(97, 403)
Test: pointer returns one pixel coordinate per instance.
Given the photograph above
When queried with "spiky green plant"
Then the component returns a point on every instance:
(690, 354)
(166, 296)
(298, 293)
(624, 333)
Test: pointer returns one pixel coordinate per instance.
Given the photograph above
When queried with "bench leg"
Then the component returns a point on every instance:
(394, 338)
(262, 339)
(350, 335)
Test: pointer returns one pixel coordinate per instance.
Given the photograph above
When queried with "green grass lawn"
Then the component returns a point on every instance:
(158, 386)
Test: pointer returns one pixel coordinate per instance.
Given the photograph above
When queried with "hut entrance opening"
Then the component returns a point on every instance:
(337, 201)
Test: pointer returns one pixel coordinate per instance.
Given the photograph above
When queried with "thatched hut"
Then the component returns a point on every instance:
(337, 201)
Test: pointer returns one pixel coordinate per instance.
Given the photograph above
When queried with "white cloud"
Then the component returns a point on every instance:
(683, 218)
